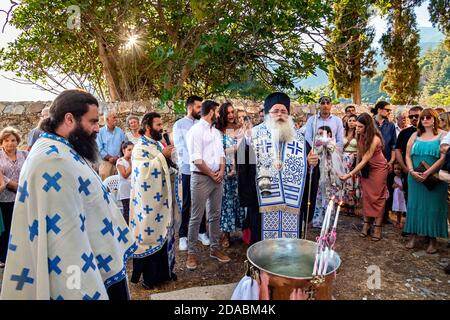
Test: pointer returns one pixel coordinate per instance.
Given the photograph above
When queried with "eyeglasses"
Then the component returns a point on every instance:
(426, 118)
(278, 112)
(413, 116)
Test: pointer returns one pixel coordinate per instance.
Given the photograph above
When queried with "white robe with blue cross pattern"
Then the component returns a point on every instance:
(68, 238)
(151, 212)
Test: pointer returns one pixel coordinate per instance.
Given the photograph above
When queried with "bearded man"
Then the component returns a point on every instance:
(69, 240)
(281, 157)
(151, 214)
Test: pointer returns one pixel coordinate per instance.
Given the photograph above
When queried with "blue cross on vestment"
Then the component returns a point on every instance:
(136, 172)
(159, 217)
(88, 262)
(156, 173)
(157, 197)
(76, 157)
(105, 194)
(83, 219)
(160, 240)
(145, 142)
(52, 223)
(139, 238)
(135, 201)
(146, 164)
(294, 147)
(60, 297)
(133, 223)
(145, 154)
(164, 182)
(149, 231)
(108, 227)
(53, 265)
(22, 279)
(103, 263)
(140, 217)
(147, 209)
(52, 149)
(145, 185)
(96, 296)
(52, 181)
(11, 246)
(84, 186)
(23, 190)
(264, 145)
(33, 230)
(122, 234)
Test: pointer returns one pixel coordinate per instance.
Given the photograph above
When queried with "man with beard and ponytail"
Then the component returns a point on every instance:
(68, 239)
(180, 130)
(282, 158)
(151, 210)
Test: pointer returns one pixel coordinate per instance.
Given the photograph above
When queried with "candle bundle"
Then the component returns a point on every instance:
(326, 240)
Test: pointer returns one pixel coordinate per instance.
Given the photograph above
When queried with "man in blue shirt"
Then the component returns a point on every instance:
(109, 141)
(381, 113)
(325, 118)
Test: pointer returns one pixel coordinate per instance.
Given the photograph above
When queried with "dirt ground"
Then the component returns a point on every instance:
(405, 274)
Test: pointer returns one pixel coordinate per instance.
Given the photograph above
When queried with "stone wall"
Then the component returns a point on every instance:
(25, 115)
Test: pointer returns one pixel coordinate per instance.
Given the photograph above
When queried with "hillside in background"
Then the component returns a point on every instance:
(430, 38)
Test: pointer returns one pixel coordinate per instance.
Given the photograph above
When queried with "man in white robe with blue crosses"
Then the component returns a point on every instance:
(282, 159)
(151, 209)
(68, 239)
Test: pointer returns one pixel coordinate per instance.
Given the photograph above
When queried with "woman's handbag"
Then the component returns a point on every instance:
(432, 179)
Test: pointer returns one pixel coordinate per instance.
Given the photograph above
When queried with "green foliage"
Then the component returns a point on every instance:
(401, 49)
(435, 80)
(440, 16)
(182, 46)
(349, 54)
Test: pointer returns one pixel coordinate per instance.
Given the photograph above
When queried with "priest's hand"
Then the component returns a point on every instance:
(167, 151)
(313, 159)
(345, 177)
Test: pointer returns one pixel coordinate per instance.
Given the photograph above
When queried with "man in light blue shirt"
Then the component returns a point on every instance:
(325, 118)
(180, 130)
(109, 141)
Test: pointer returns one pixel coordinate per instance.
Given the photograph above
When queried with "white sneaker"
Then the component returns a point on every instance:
(203, 237)
(183, 246)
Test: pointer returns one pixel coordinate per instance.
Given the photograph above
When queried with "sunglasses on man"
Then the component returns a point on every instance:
(413, 116)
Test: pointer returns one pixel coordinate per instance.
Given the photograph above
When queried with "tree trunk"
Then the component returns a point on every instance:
(356, 90)
(111, 76)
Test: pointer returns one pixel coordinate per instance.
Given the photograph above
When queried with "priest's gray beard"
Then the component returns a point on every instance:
(281, 130)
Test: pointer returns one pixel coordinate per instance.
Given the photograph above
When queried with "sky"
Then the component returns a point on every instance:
(12, 91)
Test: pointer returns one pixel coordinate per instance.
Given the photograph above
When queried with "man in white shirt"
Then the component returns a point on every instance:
(180, 130)
(207, 159)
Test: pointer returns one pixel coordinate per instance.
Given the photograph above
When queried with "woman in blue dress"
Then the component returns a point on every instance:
(232, 214)
(427, 209)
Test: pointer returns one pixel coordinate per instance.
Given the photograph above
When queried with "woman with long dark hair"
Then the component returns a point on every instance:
(427, 209)
(374, 167)
(351, 187)
(232, 215)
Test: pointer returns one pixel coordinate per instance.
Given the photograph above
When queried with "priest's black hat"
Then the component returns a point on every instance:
(276, 98)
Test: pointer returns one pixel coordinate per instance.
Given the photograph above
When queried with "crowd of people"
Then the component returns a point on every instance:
(218, 171)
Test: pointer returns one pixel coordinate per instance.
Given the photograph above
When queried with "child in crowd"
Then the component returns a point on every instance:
(398, 200)
(124, 169)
